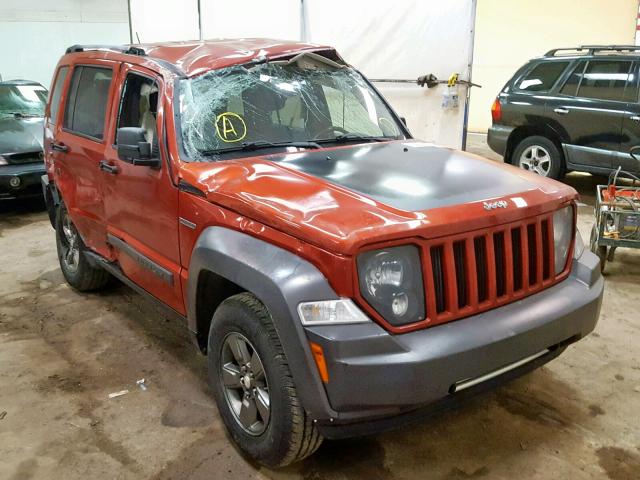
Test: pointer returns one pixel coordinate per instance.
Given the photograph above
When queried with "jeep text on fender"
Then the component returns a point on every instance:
(342, 277)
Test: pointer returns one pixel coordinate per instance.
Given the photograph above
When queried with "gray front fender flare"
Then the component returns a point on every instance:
(280, 280)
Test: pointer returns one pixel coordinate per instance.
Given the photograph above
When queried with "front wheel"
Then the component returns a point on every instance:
(539, 155)
(253, 387)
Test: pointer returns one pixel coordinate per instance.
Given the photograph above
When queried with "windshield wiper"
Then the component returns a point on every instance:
(23, 115)
(353, 137)
(258, 145)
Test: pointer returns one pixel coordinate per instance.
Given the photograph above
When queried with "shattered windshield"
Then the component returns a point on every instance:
(22, 100)
(277, 104)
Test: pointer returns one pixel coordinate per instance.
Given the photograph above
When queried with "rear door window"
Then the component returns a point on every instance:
(87, 101)
(542, 77)
(56, 93)
(570, 87)
(606, 80)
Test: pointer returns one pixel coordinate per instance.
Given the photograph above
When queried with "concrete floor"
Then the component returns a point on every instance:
(62, 353)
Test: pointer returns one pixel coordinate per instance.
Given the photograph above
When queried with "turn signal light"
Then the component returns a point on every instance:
(321, 363)
(496, 111)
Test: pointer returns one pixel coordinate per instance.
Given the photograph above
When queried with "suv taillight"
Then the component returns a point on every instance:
(496, 111)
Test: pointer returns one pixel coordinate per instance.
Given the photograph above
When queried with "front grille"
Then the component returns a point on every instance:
(473, 272)
(438, 270)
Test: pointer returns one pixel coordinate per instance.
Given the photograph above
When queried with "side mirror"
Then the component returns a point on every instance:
(134, 148)
(635, 153)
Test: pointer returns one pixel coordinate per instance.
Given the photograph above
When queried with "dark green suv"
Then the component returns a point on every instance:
(573, 109)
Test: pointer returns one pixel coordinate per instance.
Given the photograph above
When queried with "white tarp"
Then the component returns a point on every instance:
(251, 18)
(403, 39)
(164, 20)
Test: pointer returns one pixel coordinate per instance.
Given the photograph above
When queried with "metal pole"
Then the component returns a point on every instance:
(199, 21)
(637, 34)
(130, 26)
(303, 22)
(470, 67)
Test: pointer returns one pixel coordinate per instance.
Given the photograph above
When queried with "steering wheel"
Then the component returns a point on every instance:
(331, 129)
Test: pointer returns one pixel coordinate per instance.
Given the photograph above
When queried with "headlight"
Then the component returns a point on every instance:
(391, 281)
(330, 312)
(563, 227)
(3, 161)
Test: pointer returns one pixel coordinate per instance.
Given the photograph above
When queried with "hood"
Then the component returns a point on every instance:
(342, 198)
(20, 134)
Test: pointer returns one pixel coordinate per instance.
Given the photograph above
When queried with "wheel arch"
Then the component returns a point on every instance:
(212, 289)
(520, 133)
(225, 262)
(51, 198)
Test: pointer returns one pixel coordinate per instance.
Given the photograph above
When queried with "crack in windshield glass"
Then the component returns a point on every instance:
(22, 100)
(280, 104)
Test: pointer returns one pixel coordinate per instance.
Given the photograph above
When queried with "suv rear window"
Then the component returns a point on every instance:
(542, 77)
(87, 101)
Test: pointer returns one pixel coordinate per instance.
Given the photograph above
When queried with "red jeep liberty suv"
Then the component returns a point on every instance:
(342, 277)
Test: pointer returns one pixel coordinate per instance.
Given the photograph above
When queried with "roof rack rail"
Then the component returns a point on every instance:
(126, 49)
(591, 49)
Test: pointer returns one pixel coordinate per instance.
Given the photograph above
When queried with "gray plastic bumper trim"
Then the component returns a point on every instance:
(463, 385)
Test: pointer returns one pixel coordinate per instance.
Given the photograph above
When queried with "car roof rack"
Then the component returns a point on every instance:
(20, 81)
(126, 49)
(592, 49)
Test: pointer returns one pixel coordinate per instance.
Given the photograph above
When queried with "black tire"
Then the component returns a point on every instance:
(599, 250)
(50, 207)
(521, 157)
(602, 254)
(289, 435)
(82, 275)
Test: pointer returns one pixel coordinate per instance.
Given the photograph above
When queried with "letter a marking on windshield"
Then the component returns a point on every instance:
(230, 127)
(227, 128)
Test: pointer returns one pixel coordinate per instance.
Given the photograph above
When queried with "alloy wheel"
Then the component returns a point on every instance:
(245, 384)
(70, 244)
(536, 159)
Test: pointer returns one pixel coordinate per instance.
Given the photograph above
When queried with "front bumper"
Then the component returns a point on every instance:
(498, 138)
(28, 175)
(375, 375)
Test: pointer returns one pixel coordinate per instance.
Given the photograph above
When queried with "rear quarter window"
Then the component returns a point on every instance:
(542, 77)
(56, 93)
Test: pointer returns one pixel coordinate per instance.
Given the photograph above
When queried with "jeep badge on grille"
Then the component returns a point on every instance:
(494, 205)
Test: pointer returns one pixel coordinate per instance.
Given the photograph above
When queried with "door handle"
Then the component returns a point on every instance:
(106, 167)
(59, 147)
(635, 118)
(561, 111)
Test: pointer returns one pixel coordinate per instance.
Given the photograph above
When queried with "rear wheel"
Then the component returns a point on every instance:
(253, 387)
(539, 155)
(77, 270)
